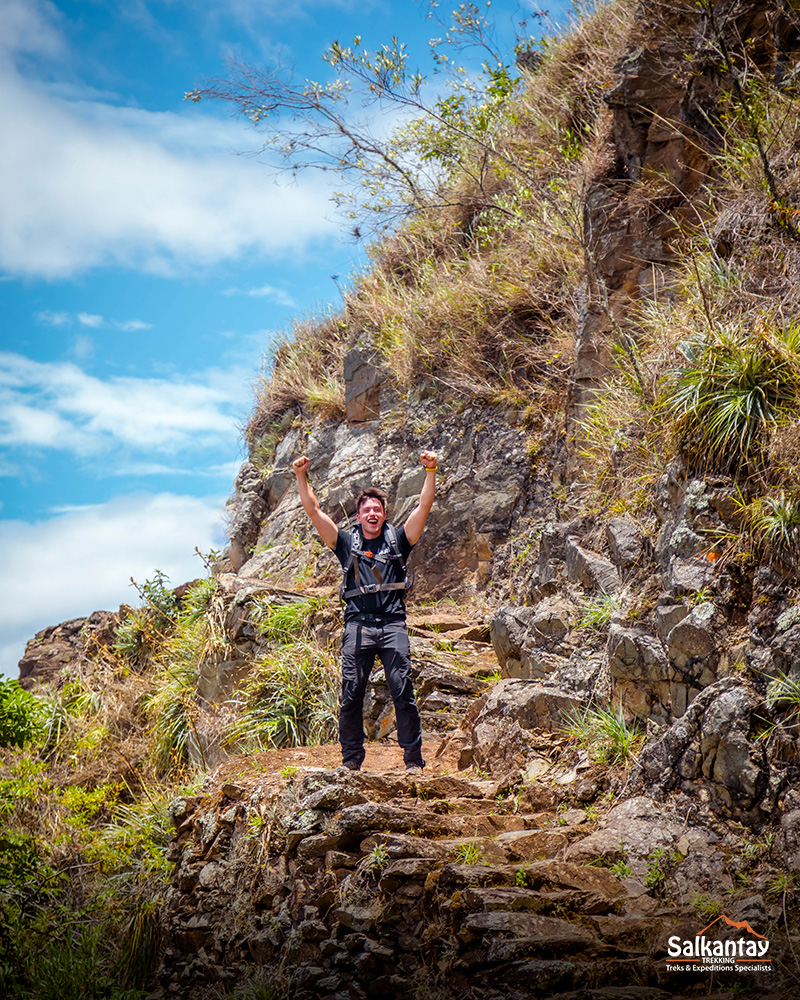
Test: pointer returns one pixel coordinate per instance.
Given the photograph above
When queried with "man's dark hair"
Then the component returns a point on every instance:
(373, 493)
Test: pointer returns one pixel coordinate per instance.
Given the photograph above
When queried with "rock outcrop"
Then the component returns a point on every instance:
(339, 884)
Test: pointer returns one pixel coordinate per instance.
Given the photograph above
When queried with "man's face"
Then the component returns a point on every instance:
(371, 517)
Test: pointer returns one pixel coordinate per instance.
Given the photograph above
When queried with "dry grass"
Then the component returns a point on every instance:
(480, 319)
(302, 373)
(563, 109)
(476, 295)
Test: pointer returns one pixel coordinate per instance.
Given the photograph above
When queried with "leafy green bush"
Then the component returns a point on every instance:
(67, 962)
(23, 716)
(160, 599)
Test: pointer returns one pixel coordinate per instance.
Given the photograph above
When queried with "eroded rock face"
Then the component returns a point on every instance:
(58, 648)
(626, 542)
(532, 642)
(364, 883)
(589, 569)
(712, 746)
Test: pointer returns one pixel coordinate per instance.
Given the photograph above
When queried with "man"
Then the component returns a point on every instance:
(373, 558)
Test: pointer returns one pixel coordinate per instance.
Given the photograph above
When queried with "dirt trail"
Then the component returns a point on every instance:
(382, 758)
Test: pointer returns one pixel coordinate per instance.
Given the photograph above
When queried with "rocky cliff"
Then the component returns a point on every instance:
(610, 695)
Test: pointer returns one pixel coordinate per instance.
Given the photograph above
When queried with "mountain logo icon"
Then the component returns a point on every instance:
(739, 925)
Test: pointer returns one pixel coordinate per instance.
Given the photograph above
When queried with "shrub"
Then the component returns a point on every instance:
(775, 523)
(286, 623)
(172, 709)
(291, 700)
(783, 695)
(604, 734)
(735, 386)
(23, 716)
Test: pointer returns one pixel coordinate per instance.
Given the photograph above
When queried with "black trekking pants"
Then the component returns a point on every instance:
(389, 641)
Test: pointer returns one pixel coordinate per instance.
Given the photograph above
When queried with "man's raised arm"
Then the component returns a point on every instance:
(419, 515)
(326, 528)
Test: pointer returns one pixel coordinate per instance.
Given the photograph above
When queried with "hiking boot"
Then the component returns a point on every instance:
(350, 765)
(414, 770)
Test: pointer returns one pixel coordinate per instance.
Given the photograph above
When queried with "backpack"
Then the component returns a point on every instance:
(357, 552)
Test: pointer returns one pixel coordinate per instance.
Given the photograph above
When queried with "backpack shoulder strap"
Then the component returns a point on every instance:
(356, 549)
(390, 534)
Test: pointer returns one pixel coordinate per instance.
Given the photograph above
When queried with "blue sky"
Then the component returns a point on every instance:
(145, 268)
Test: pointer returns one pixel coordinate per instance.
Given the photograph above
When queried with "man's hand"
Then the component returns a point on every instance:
(428, 459)
(301, 465)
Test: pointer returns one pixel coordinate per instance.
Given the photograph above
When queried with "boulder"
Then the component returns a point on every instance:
(695, 637)
(668, 615)
(710, 746)
(531, 705)
(625, 542)
(641, 677)
(629, 833)
(589, 569)
(531, 643)
(730, 757)
(55, 650)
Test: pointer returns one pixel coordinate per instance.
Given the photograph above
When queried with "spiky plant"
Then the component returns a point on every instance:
(285, 623)
(734, 386)
(605, 734)
(775, 523)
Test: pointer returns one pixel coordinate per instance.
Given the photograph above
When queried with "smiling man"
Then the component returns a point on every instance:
(373, 559)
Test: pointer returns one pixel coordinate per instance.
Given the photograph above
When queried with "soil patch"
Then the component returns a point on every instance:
(382, 758)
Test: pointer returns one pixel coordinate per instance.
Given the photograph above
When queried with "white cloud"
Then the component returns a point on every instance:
(225, 471)
(278, 295)
(77, 194)
(82, 347)
(89, 183)
(29, 27)
(82, 559)
(132, 325)
(50, 318)
(90, 319)
(58, 405)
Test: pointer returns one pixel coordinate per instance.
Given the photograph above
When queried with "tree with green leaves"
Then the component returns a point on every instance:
(445, 133)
